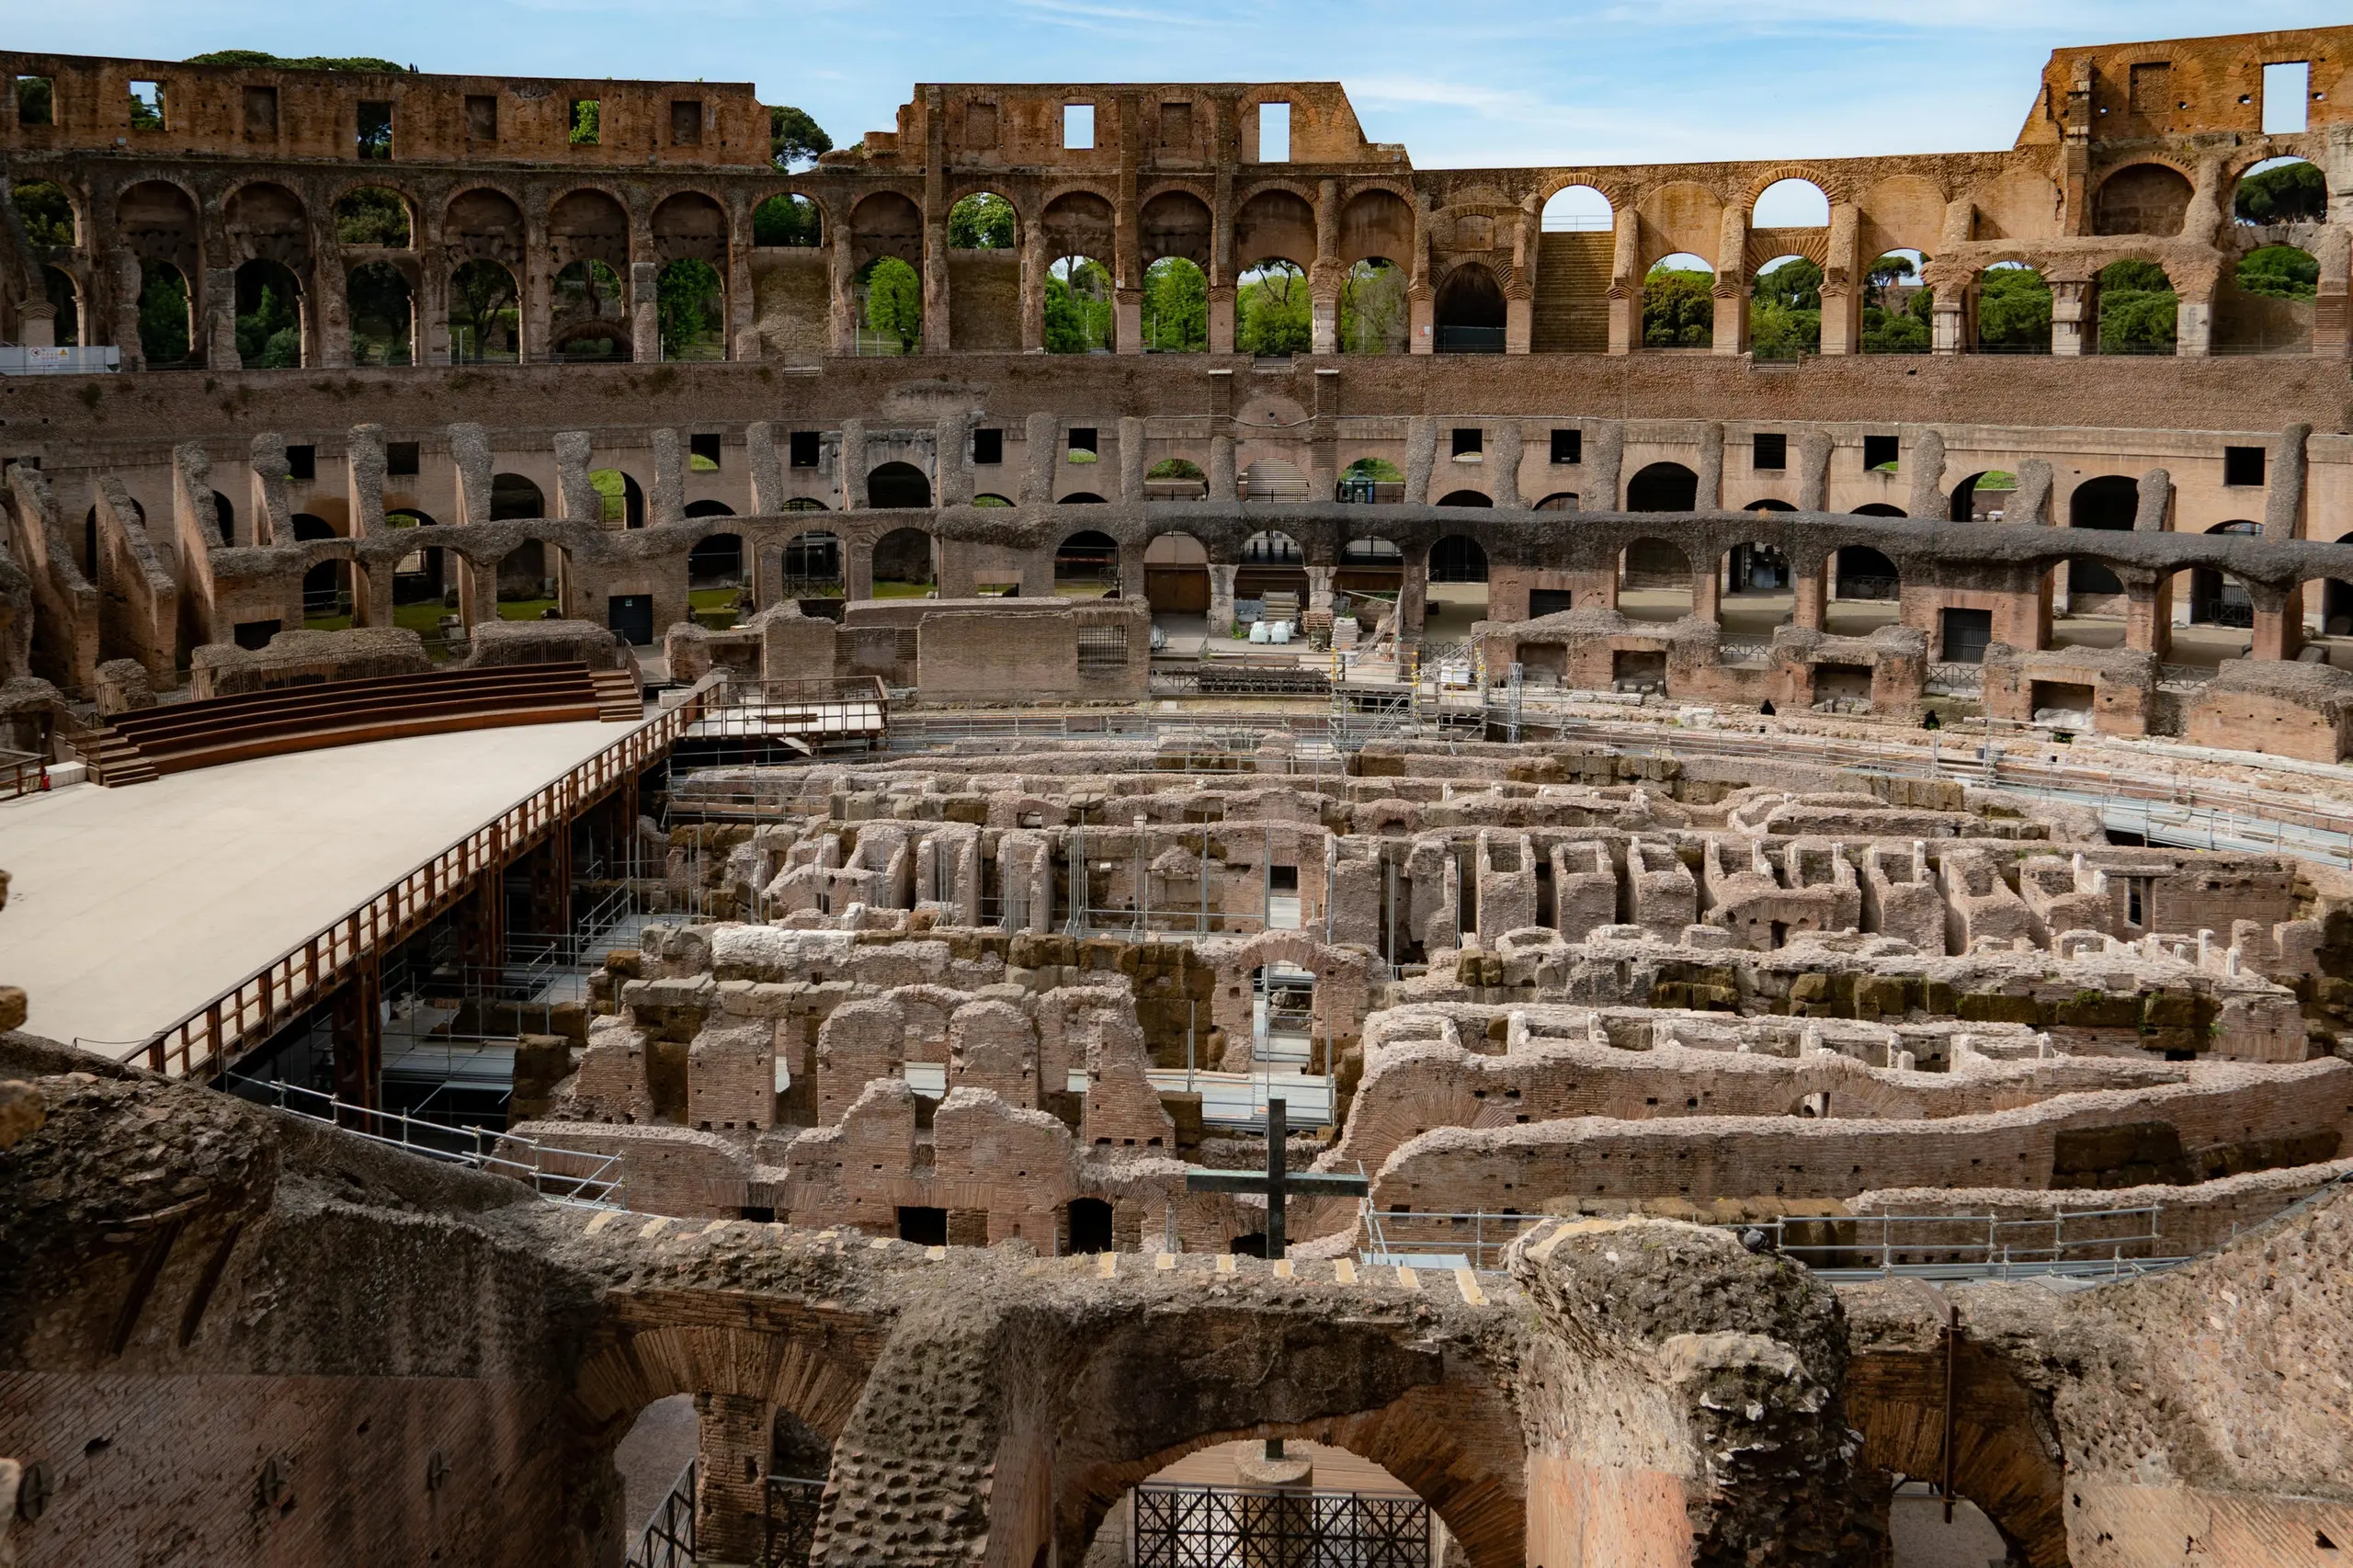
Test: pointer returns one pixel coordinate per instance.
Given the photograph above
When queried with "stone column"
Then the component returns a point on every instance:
(1421, 333)
(2283, 499)
(766, 464)
(1421, 459)
(130, 283)
(37, 323)
(1221, 476)
(1707, 590)
(1925, 463)
(331, 285)
(1131, 463)
(2193, 330)
(1319, 588)
(2278, 623)
(1814, 470)
(731, 1481)
(1731, 289)
(1221, 300)
(1605, 456)
(952, 459)
(1812, 594)
(645, 311)
(1326, 274)
(576, 498)
(271, 516)
(2148, 612)
(1844, 281)
(743, 331)
(1709, 492)
(1220, 599)
(853, 465)
(842, 297)
(221, 319)
(666, 502)
(2074, 318)
(536, 329)
(2332, 321)
(1041, 445)
(1519, 294)
(1413, 598)
(858, 568)
(1626, 284)
(938, 323)
(363, 464)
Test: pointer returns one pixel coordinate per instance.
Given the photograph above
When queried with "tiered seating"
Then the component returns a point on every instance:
(137, 746)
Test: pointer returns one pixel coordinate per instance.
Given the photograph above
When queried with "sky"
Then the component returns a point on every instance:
(1462, 85)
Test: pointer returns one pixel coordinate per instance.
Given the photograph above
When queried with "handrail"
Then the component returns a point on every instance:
(201, 1040)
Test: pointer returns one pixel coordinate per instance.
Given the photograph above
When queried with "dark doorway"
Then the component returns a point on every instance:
(1967, 633)
(1090, 1225)
(1549, 601)
(631, 615)
(1252, 1245)
(1664, 487)
(897, 484)
(1470, 313)
(925, 1227)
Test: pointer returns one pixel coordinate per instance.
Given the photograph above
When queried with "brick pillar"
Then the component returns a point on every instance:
(731, 1490)
(2148, 613)
(1413, 600)
(1707, 591)
(2278, 624)
(1811, 596)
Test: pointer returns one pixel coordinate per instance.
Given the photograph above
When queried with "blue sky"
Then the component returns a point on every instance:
(1461, 83)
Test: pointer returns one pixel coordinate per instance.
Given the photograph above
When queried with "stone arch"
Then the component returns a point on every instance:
(897, 484)
(2268, 301)
(1579, 205)
(1079, 224)
(1176, 574)
(811, 565)
(1663, 487)
(1175, 223)
(2105, 502)
(383, 314)
(1376, 224)
(886, 222)
(1877, 509)
(265, 221)
(589, 224)
(484, 223)
(2283, 190)
(795, 1369)
(908, 557)
(2010, 309)
(1788, 201)
(1274, 224)
(373, 212)
(2137, 308)
(158, 220)
(1559, 501)
(979, 225)
(1982, 496)
(1653, 580)
(1469, 312)
(1896, 1401)
(1867, 583)
(276, 325)
(2218, 598)
(1758, 583)
(1087, 564)
(690, 226)
(788, 220)
(484, 320)
(2146, 198)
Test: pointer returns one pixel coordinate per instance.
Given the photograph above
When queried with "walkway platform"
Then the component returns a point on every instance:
(129, 908)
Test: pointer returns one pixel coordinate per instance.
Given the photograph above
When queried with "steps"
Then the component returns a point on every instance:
(138, 747)
(1572, 312)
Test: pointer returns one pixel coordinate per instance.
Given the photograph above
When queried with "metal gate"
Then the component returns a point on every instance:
(790, 1529)
(1231, 1527)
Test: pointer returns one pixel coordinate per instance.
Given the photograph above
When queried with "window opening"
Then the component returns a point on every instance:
(375, 141)
(804, 448)
(481, 116)
(147, 106)
(1078, 126)
(988, 447)
(1770, 452)
(586, 120)
(36, 101)
(1568, 445)
(2286, 92)
(686, 122)
(1274, 133)
(2243, 465)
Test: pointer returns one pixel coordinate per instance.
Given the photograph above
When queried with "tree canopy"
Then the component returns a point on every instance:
(1785, 311)
(795, 137)
(1271, 311)
(295, 62)
(982, 222)
(691, 306)
(1078, 307)
(894, 303)
(2279, 272)
(2289, 193)
(786, 221)
(1175, 307)
(1678, 309)
(2013, 309)
(47, 212)
(1374, 311)
(2137, 308)
(372, 216)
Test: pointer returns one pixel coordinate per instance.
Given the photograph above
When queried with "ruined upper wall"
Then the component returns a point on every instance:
(1161, 125)
(2122, 92)
(243, 111)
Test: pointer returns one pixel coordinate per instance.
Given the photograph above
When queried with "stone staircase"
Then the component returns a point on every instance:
(1573, 292)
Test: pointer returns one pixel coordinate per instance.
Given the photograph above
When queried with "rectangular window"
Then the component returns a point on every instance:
(1568, 445)
(375, 131)
(980, 126)
(804, 448)
(588, 121)
(301, 463)
(988, 447)
(1469, 440)
(1769, 453)
(2151, 91)
(2287, 97)
(481, 116)
(702, 453)
(1274, 133)
(1177, 126)
(1878, 453)
(401, 458)
(36, 101)
(147, 106)
(686, 122)
(1082, 438)
(261, 114)
(2243, 465)
(1078, 125)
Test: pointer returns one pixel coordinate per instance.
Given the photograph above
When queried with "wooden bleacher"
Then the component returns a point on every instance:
(137, 748)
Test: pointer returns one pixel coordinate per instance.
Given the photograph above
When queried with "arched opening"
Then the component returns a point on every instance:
(484, 326)
(652, 1458)
(270, 316)
(1576, 207)
(2142, 199)
(65, 297)
(1679, 303)
(1865, 588)
(1272, 478)
(1370, 573)
(716, 580)
(812, 565)
(1653, 581)
(1272, 573)
(1791, 204)
(1877, 509)
(224, 516)
(167, 327)
(906, 565)
(787, 222)
(1369, 479)
(513, 496)
(985, 273)
(2013, 310)
(1663, 487)
(1375, 313)
(1759, 587)
(2266, 304)
(374, 216)
(1469, 311)
(2137, 309)
(982, 221)
(1087, 566)
(708, 509)
(1078, 306)
(984, 499)
(1899, 309)
(2280, 190)
(1982, 497)
(1272, 312)
(621, 503)
(1175, 479)
(1768, 505)
(1458, 586)
(2107, 502)
(326, 586)
(692, 310)
(1090, 1225)
(890, 307)
(1785, 309)
(1211, 1507)
(419, 581)
(46, 212)
(1175, 307)
(384, 314)
(2218, 600)
(1465, 498)
(1559, 501)
(1176, 583)
(897, 484)
(591, 320)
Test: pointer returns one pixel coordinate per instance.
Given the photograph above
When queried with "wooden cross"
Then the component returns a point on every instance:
(1278, 1182)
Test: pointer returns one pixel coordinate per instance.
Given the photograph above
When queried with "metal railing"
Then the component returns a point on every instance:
(789, 1520)
(204, 1041)
(20, 774)
(1949, 678)
(2107, 1243)
(668, 1538)
(1239, 1527)
(559, 1175)
(1400, 1234)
